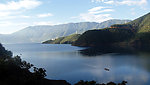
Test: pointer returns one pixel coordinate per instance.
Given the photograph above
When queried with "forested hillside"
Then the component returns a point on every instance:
(135, 33)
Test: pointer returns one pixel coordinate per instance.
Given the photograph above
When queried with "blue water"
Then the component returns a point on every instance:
(66, 62)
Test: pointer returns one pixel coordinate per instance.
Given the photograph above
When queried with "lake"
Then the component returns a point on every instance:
(66, 62)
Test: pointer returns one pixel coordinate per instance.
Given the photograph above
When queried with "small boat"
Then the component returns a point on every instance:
(107, 69)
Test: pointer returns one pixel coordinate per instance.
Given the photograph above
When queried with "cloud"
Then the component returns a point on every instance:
(12, 27)
(97, 0)
(25, 16)
(44, 15)
(123, 2)
(44, 23)
(95, 18)
(4, 14)
(13, 9)
(21, 4)
(109, 2)
(96, 8)
(131, 2)
(96, 14)
(101, 11)
(13, 14)
(8, 27)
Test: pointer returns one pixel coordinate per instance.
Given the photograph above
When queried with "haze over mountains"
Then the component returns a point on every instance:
(38, 34)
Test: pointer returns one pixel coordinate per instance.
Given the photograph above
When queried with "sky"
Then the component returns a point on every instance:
(18, 14)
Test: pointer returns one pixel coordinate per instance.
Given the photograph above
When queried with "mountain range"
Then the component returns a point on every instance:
(135, 33)
(38, 34)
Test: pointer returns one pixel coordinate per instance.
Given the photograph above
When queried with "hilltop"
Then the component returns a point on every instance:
(135, 33)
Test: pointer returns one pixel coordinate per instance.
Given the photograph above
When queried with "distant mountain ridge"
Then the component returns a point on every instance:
(135, 33)
(38, 34)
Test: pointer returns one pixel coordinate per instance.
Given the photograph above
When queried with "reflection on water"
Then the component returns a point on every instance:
(66, 62)
(94, 51)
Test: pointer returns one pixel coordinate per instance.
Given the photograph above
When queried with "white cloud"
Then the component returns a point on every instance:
(12, 14)
(44, 23)
(101, 11)
(124, 2)
(97, 0)
(8, 27)
(109, 2)
(21, 4)
(4, 14)
(13, 9)
(11, 17)
(96, 14)
(95, 18)
(131, 2)
(12, 27)
(25, 16)
(44, 15)
(96, 8)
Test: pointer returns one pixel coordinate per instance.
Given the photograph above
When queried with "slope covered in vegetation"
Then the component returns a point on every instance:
(63, 40)
(106, 36)
(135, 33)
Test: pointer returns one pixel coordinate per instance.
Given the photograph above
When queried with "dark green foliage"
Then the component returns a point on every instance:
(104, 37)
(142, 23)
(142, 37)
(125, 26)
(4, 53)
(100, 50)
(141, 40)
(25, 65)
(81, 82)
(94, 83)
(39, 72)
(16, 72)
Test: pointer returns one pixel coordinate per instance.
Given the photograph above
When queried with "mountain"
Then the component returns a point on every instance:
(142, 23)
(136, 33)
(44, 32)
(104, 37)
(142, 36)
(63, 40)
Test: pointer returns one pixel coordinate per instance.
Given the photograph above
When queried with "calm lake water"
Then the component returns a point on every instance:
(66, 62)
